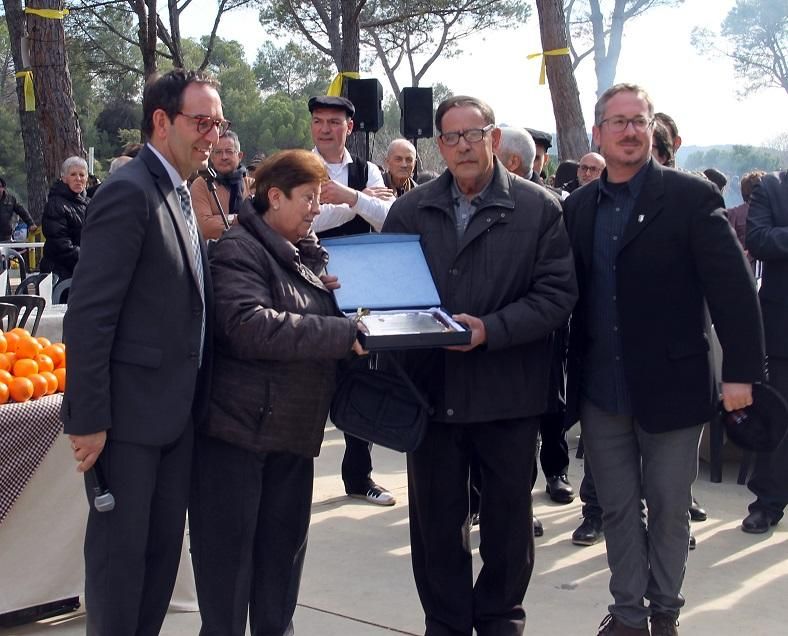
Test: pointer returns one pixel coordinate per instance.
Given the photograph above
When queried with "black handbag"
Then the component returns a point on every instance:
(376, 401)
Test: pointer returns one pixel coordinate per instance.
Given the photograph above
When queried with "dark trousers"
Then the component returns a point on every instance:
(356, 464)
(438, 484)
(769, 481)
(132, 552)
(591, 507)
(248, 521)
(554, 453)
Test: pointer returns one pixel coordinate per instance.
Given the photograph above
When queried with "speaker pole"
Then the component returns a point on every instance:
(366, 146)
(417, 169)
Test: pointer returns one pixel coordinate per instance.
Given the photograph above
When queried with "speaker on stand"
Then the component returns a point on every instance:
(367, 98)
(416, 118)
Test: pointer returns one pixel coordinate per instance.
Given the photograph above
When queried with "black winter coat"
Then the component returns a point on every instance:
(513, 269)
(64, 216)
(279, 335)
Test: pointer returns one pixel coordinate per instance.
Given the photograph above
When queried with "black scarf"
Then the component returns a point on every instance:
(234, 182)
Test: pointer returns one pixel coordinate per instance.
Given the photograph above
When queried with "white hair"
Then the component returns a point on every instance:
(71, 162)
(518, 141)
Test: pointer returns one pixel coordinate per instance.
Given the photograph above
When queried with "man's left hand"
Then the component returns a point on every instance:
(736, 396)
(478, 332)
(87, 449)
(337, 194)
(380, 192)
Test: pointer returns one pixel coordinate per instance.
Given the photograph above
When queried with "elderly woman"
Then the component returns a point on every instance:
(278, 338)
(64, 216)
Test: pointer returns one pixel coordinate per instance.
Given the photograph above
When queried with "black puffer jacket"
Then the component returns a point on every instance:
(64, 216)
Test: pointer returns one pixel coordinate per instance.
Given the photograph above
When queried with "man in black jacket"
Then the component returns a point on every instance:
(498, 252)
(767, 241)
(9, 206)
(652, 249)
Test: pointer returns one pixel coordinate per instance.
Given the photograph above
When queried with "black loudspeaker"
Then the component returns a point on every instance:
(415, 119)
(367, 97)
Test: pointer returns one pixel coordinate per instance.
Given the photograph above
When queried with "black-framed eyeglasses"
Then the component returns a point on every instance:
(619, 124)
(205, 123)
(586, 168)
(472, 135)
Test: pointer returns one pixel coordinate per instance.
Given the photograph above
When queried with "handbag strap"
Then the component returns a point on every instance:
(405, 378)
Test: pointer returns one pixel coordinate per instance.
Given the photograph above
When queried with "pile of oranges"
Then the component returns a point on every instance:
(30, 367)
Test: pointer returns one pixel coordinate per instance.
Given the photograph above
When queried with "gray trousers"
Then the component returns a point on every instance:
(647, 557)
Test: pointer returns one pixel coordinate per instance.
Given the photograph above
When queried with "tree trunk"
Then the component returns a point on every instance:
(351, 32)
(572, 139)
(37, 184)
(57, 117)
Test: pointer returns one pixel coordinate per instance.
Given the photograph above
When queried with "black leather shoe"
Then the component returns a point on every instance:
(696, 512)
(559, 489)
(693, 542)
(589, 532)
(758, 522)
(538, 528)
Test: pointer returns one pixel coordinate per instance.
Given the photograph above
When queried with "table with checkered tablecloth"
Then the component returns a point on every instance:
(43, 528)
(27, 432)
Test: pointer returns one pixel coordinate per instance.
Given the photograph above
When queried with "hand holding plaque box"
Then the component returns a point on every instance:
(386, 282)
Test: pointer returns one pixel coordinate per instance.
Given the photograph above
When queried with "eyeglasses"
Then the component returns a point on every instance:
(619, 124)
(585, 168)
(226, 152)
(472, 135)
(205, 123)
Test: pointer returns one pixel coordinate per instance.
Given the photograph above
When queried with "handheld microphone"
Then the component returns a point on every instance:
(103, 501)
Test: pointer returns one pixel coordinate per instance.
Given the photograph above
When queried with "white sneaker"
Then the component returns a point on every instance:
(376, 495)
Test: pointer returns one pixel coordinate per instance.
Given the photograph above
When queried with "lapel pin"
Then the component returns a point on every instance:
(641, 217)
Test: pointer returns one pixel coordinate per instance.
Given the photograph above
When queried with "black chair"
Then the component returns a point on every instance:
(8, 316)
(30, 285)
(26, 306)
(8, 255)
(60, 292)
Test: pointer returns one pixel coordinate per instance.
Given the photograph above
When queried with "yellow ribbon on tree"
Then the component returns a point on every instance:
(544, 54)
(335, 88)
(50, 14)
(30, 94)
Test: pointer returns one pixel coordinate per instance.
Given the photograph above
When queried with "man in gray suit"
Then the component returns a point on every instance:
(138, 334)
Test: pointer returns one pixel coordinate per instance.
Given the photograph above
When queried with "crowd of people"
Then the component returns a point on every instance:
(202, 378)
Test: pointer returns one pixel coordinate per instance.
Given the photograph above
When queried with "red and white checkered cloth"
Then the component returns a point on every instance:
(27, 432)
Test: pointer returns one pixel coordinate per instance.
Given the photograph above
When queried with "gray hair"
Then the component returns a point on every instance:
(463, 100)
(230, 134)
(601, 104)
(71, 162)
(397, 141)
(118, 162)
(517, 141)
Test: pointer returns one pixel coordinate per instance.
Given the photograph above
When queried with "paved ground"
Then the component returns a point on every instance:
(357, 580)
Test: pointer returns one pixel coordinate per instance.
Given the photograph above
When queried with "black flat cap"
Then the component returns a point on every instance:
(761, 426)
(541, 138)
(327, 101)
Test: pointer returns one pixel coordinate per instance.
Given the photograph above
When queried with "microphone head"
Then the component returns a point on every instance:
(104, 502)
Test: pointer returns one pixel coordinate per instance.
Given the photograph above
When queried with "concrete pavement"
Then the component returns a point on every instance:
(357, 579)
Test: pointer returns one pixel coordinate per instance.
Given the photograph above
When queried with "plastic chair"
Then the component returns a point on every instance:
(29, 285)
(26, 305)
(9, 255)
(60, 292)
(8, 316)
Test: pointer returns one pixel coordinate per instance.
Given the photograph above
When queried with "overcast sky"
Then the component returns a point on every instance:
(698, 91)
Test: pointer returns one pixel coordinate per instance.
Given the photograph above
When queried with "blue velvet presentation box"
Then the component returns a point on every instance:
(385, 279)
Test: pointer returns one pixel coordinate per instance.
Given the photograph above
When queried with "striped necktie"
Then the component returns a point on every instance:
(188, 215)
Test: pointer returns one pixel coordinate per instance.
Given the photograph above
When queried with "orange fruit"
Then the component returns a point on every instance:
(21, 389)
(51, 379)
(4, 394)
(21, 331)
(12, 340)
(5, 362)
(28, 348)
(5, 377)
(40, 385)
(11, 358)
(60, 374)
(3, 343)
(44, 342)
(57, 352)
(44, 362)
(25, 367)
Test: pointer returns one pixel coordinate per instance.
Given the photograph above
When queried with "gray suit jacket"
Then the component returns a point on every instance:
(132, 329)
